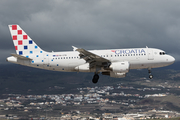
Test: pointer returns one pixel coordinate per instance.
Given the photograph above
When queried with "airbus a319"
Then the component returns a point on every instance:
(112, 62)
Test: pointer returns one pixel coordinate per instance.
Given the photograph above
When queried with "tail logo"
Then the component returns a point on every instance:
(23, 44)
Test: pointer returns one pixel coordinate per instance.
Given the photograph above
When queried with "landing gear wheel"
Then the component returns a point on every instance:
(95, 78)
(150, 76)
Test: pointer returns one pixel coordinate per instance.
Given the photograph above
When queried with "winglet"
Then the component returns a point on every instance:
(74, 48)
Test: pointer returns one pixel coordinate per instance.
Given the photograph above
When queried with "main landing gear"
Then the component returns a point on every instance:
(150, 75)
(95, 78)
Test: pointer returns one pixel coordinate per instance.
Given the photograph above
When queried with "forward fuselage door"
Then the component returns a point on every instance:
(150, 54)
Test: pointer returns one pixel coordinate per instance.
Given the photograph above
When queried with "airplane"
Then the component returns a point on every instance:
(112, 62)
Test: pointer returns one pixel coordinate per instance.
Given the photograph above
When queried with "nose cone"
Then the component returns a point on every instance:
(171, 59)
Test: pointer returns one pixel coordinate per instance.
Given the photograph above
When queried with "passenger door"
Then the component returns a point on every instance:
(150, 54)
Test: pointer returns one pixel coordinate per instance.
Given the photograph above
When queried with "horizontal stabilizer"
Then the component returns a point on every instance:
(20, 57)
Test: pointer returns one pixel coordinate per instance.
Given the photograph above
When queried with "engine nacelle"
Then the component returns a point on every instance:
(120, 67)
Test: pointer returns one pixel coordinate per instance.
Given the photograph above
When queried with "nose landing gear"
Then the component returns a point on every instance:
(150, 75)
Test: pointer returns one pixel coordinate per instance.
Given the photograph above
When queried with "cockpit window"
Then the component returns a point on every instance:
(162, 53)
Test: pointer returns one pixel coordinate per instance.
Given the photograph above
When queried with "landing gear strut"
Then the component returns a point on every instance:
(95, 78)
(150, 75)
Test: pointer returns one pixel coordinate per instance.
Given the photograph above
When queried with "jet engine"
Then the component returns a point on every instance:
(120, 67)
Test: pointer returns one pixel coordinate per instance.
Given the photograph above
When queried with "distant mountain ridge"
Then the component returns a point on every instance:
(26, 80)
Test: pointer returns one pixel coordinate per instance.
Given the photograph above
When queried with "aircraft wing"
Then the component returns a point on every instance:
(91, 57)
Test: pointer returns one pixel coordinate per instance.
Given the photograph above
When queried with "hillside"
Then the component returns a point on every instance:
(26, 80)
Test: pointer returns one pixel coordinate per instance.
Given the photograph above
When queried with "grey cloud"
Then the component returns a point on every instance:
(17, 11)
(96, 24)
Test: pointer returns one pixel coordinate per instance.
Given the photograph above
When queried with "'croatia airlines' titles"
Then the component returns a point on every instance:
(129, 51)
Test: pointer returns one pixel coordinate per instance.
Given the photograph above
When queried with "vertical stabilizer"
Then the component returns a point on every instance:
(23, 44)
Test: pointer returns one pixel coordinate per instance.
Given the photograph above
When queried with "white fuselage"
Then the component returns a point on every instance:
(138, 58)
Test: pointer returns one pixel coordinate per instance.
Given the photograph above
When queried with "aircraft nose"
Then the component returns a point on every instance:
(171, 59)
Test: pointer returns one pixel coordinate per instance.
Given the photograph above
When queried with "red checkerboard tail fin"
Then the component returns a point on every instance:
(24, 45)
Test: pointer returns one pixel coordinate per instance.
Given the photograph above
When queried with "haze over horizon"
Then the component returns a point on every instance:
(57, 25)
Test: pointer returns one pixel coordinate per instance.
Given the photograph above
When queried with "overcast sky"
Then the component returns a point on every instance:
(56, 25)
